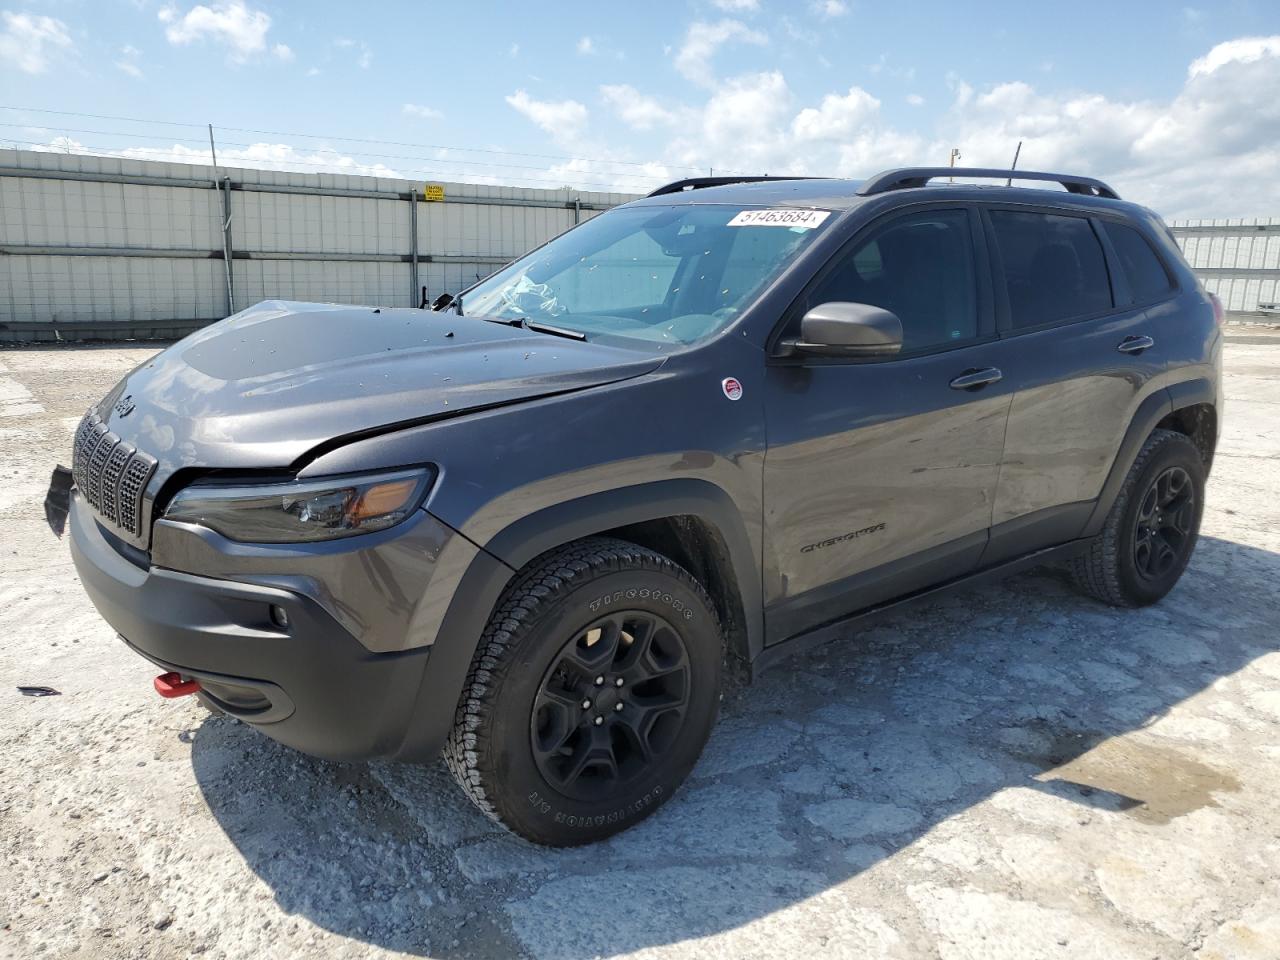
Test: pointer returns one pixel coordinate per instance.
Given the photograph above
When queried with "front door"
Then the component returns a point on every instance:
(879, 475)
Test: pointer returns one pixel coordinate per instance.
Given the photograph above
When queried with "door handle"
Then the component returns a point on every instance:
(1135, 344)
(976, 379)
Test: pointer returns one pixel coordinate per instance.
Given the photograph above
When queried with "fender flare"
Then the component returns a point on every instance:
(595, 513)
(1150, 412)
(495, 564)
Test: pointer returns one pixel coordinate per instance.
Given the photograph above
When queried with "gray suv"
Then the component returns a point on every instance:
(532, 528)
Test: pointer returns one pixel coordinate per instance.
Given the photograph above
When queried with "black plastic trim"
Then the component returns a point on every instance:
(819, 636)
(530, 536)
(835, 601)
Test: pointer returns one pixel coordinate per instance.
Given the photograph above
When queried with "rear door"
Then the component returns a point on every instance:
(880, 474)
(1077, 346)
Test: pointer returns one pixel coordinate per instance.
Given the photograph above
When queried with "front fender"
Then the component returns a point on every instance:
(480, 588)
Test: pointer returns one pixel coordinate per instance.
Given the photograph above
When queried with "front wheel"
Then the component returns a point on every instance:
(592, 692)
(1152, 528)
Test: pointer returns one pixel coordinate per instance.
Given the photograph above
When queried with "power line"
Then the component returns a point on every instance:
(357, 153)
(341, 139)
(199, 159)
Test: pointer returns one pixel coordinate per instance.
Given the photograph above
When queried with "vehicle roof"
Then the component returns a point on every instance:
(838, 194)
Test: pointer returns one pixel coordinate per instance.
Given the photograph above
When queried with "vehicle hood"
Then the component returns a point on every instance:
(262, 388)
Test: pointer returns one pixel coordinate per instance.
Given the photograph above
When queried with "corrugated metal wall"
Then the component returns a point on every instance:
(100, 245)
(1239, 260)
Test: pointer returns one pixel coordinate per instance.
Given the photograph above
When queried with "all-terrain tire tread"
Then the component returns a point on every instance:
(1097, 571)
(544, 579)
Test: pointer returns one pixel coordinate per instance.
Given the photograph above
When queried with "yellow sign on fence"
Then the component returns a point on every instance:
(433, 191)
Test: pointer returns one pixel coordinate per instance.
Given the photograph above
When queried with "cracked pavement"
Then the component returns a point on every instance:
(1014, 771)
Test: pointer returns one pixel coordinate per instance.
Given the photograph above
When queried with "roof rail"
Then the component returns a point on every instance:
(920, 176)
(697, 183)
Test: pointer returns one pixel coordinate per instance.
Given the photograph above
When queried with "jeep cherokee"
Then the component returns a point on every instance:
(531, 528)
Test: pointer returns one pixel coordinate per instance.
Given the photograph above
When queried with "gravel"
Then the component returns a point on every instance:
(1012, 772)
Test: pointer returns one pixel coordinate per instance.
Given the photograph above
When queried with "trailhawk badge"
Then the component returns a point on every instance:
(732, 388)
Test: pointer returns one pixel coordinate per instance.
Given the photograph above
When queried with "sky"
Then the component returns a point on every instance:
(1176, 105)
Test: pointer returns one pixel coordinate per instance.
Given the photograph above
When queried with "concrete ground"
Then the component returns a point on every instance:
(1017, 773)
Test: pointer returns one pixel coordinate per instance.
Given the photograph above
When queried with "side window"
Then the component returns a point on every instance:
(921, 268)
(1146, 274)
(1054, 268)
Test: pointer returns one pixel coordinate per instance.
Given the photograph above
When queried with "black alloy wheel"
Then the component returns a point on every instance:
(612, 702)
(1164, 526)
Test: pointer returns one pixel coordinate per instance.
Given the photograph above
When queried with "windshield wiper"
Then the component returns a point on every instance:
(554, 331)
(536, 326)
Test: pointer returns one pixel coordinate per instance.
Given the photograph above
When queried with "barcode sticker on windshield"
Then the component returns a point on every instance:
(803, 219)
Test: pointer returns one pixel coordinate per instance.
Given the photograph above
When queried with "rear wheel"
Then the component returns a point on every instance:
(592, 693)
(1152, 528)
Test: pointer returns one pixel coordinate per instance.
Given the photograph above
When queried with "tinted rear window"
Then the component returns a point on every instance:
(1053, 266)
(1147, 277)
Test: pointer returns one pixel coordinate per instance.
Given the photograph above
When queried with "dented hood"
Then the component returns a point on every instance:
(262, 388)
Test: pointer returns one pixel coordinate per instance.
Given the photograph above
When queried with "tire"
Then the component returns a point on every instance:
(597, 654)
(1127, 565)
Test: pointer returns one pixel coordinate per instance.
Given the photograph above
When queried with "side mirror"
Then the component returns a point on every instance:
(840, 329)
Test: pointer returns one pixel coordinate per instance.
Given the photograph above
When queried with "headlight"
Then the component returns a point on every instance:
(302, 511)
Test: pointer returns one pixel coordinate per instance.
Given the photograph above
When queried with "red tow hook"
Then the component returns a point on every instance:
(171, 685)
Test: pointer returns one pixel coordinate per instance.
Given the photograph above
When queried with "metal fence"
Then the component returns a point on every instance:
(109, 247)
(106, 247)
(1239, 260)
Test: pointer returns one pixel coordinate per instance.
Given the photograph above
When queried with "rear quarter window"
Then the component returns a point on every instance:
(1148, 279)
(1054, 267)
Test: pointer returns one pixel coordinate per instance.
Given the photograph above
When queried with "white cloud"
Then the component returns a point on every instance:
(693, 59)
(1207, 149)
(744, 126)
(129, 61)
(586, 46)
(421, 112)
(915, 100)
(1243, 50)
(282, 52)
(514, 50)
(837, 117)
(258, 156)
(830, 9)
(634, 108)
(364, 56)
(562, 119)
(239, 27)
(28, 41)
(737, 6)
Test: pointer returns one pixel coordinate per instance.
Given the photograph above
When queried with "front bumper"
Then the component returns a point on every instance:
(312, 685)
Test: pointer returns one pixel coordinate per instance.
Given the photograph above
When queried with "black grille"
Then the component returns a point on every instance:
(111, 474)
